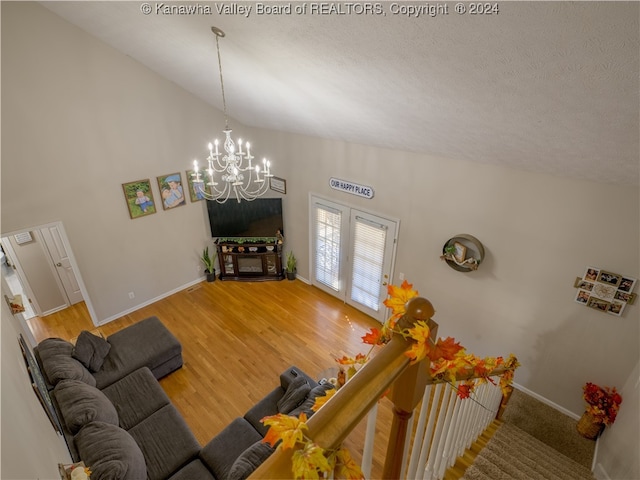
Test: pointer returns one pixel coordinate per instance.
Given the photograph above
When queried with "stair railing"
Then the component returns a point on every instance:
(390, 368)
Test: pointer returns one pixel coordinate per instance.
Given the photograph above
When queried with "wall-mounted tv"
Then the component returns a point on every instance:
(261, 217)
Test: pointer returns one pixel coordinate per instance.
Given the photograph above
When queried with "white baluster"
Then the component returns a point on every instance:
(367, 453)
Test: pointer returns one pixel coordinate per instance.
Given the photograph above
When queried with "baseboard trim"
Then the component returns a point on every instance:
(547, 401)
(149, 302)
(600, 472)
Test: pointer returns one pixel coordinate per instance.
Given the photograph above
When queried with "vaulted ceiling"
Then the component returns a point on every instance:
(550, 87)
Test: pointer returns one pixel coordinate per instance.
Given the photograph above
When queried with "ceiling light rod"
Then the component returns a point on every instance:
(226, 169)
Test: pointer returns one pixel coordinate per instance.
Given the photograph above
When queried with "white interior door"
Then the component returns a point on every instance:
(352, 254)
(60, 257)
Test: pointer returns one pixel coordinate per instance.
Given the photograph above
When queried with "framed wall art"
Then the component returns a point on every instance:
(605, 291)
(171, 190)
(139, 198)
(278, 184)
(460, 252)
(196, 188)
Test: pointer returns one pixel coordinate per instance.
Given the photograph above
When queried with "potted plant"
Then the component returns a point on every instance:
(291, 266)
(209, 264)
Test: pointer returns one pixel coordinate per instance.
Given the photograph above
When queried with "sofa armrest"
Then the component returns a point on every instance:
(222, 451)
(291, 373)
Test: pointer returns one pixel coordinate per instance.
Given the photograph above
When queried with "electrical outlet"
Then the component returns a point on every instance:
(132, 295)
(401, 277)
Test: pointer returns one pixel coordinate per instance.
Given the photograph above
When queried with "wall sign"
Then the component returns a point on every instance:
(350, 187)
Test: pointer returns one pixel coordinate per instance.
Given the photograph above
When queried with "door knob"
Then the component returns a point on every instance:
(58, 264)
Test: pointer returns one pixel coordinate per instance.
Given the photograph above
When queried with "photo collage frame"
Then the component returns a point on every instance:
(605, 291)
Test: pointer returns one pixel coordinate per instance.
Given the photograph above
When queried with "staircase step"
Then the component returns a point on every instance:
(513, 454)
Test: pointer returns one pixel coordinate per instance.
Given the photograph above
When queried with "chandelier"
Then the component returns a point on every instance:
(231, 171)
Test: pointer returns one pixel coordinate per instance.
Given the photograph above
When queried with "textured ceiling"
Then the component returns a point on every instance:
(550, 87)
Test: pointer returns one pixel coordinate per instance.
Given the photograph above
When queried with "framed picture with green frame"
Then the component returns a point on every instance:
(139, 198)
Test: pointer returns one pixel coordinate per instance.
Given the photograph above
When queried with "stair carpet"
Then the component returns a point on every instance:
(513, 454)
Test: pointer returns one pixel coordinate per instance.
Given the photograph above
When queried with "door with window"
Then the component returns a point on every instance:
(352, 254)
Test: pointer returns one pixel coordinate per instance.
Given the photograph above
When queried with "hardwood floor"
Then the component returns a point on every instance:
(237, 338)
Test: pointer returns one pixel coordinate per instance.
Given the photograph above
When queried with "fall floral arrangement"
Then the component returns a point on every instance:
(603, 402)
(448, 360)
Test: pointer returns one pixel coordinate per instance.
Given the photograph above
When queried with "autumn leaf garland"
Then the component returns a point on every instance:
(448, 359)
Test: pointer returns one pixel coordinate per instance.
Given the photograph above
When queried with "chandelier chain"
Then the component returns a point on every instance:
(224, 99)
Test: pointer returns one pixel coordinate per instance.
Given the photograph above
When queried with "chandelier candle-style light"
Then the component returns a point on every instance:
(231, 170)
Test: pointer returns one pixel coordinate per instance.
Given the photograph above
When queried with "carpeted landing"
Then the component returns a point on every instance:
(535, 442)
(550, 426)
(513, 454)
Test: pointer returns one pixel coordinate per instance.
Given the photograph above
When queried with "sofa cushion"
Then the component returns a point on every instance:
(309, 402)
(110, 452)
(90, 350)
(194, 470)
(249, 460)
(166, 442)
(58, 364)
(80, 404)
(295, 394)
(265, 407)
(147, 343)
(221, 452)
(136, 396)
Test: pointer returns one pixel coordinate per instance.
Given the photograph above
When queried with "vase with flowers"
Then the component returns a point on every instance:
(603, 404)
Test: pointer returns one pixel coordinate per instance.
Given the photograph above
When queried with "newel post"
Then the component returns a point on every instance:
(408, 388)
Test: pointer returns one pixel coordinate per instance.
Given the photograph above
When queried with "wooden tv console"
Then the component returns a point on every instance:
(250, 261)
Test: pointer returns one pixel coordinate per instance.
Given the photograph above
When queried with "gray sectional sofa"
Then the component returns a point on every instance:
(116, 417)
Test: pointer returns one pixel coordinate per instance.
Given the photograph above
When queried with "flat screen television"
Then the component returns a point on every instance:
(260, 218)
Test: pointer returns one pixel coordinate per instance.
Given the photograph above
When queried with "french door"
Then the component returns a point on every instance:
(352, 254)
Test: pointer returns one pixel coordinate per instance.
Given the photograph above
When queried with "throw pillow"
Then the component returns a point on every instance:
(249, 460)
(80, 404)
(91, 350)
(296, 393)
(305, 406)
(110, 452)
(58, 364)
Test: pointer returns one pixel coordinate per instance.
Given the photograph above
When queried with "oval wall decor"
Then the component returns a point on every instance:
(463, 252)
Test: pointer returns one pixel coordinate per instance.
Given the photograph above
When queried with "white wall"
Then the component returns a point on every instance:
(30, 447)
(618, 446)
(80, 119)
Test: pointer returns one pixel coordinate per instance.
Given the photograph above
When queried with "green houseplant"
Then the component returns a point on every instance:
(291, 266)
(209, 264)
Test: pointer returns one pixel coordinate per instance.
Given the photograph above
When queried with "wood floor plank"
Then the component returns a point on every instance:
(237, 338)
